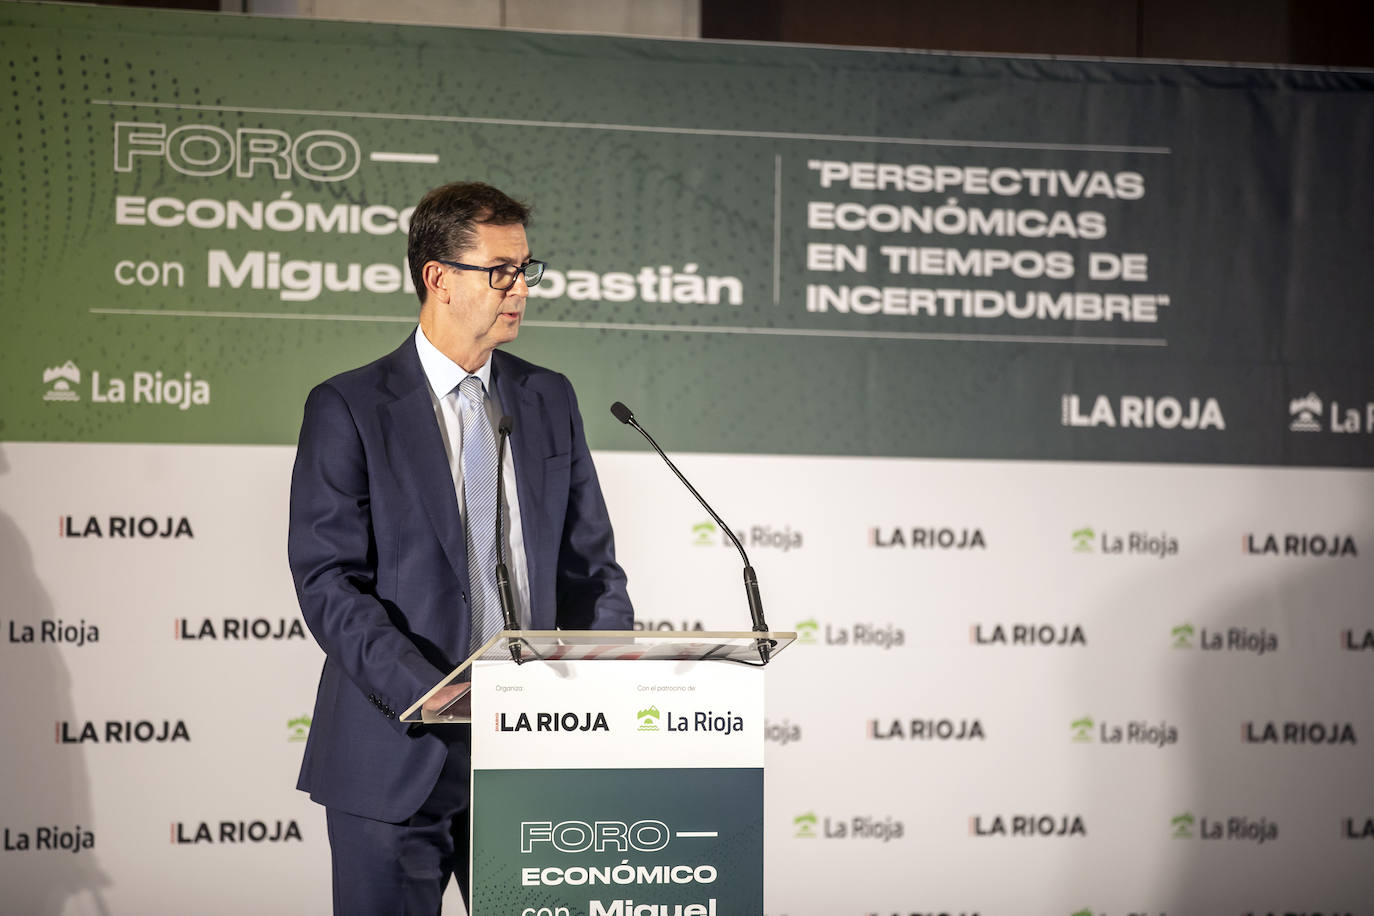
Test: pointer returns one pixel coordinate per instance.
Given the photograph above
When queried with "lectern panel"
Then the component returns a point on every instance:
(600, 787)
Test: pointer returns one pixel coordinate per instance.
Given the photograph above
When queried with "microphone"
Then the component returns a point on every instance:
(751, 582)
(503, 574)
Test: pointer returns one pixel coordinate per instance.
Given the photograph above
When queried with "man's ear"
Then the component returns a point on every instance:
(436, 281)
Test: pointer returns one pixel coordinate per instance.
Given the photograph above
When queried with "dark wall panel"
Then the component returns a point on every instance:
(1255, 31)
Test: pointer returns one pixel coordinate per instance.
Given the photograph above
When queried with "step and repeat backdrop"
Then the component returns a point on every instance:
(1040, 392)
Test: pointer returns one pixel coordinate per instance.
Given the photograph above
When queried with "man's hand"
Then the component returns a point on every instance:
(444, 696)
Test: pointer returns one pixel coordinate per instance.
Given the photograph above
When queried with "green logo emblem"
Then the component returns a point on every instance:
(806, 632)
(1082, 729)
(648, 719)
(805, 825)
(704, 533)
(1084, 913)
(1183, 636)
(298, 729)
(1083, 540)
(1183, 826)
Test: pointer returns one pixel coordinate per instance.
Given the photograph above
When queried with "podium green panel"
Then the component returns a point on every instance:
(602, 842)
(624, 780)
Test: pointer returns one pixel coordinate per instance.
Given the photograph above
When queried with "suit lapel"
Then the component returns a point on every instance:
(416, 452)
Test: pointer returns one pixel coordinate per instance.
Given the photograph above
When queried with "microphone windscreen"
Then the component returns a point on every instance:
(621, 412)
(506, 425)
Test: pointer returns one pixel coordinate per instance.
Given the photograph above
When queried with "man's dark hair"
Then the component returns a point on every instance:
(445, 220)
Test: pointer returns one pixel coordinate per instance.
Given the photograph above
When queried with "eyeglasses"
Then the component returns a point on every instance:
(502, 276)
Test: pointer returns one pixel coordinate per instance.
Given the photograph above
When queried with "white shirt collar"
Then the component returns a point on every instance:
(443, 373)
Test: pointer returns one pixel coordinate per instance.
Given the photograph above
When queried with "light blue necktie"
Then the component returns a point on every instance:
(479, 499)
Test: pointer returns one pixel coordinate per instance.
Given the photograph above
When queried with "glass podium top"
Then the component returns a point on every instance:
(595, 645)
(629, 645)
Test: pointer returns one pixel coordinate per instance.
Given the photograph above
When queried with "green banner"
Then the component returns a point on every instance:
(605, 842)
(762, 249)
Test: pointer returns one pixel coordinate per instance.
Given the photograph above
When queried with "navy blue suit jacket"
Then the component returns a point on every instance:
(377, 552)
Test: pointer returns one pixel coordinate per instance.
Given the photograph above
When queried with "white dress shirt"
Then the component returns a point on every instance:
(444, 375)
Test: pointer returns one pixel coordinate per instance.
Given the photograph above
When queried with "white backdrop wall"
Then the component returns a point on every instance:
(926, 721)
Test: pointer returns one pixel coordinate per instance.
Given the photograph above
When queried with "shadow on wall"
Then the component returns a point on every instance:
(47, 786)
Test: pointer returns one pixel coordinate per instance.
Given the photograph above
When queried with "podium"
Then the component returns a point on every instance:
(601, 786)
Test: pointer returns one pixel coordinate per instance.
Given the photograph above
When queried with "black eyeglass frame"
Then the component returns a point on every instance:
(491, 272)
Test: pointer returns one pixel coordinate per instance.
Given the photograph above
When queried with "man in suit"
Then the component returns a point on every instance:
(393, 546)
